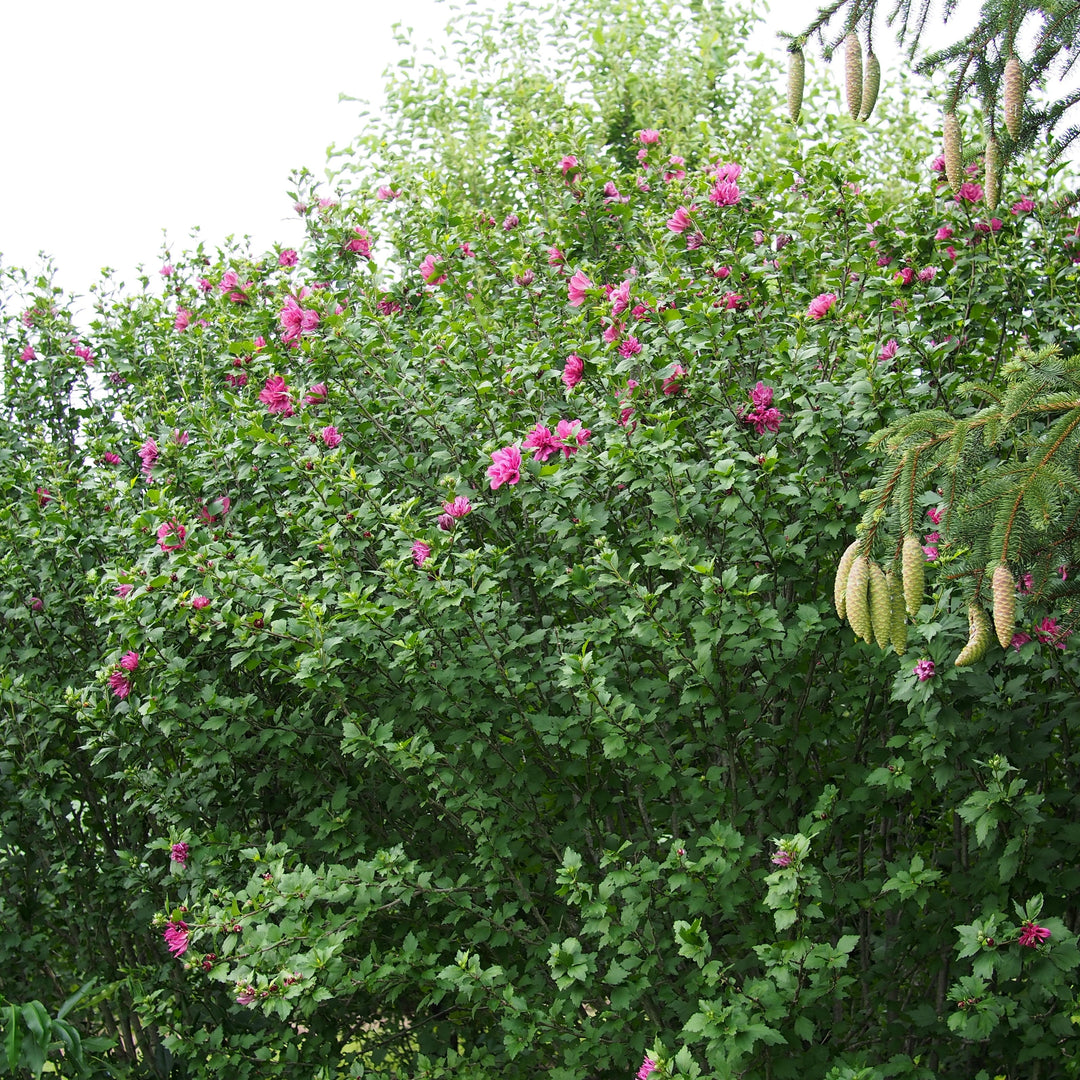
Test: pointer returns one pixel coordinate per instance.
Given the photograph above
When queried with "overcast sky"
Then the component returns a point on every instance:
(126, 117)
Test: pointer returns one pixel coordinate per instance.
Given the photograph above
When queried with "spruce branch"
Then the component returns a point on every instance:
(976, 62)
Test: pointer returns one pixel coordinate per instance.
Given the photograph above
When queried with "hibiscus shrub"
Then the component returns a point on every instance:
(420, 656)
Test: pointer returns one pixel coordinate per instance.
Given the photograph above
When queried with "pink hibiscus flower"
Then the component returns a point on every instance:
(171, 536)
(176, 937)
(429, 270)
(541, 442)
(459, 507)
(570, 437)
(296, 320)
(275, 396)
(576, 288)
(119, 684)
(505, 467)
(821, 305)
(573, 371)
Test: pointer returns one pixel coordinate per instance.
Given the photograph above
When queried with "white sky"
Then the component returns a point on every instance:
(126, 117)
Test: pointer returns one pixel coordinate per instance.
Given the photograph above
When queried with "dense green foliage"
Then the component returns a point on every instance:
(584, 768)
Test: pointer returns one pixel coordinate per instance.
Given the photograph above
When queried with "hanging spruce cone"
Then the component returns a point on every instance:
(954, 172)
(840, 583)
(1014, 96)
(913, 567)
(898, 629)
(993, 173)
(871, 85)
(853, 70)
(1003, 586)
(978, 637)
(880, 611)
(857, 598)
(796, 76)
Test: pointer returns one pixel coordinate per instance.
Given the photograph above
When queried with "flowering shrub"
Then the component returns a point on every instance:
(368, 741)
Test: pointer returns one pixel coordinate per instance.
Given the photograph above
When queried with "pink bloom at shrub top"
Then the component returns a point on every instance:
(316, 394)
(200, 602)
(421, 552)
(178, 853)
(331, 436)
(129, 661)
